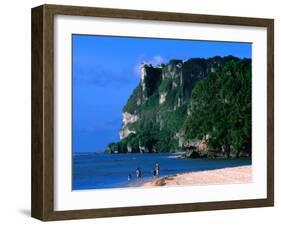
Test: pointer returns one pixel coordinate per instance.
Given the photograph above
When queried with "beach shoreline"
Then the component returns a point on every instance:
(229, 175)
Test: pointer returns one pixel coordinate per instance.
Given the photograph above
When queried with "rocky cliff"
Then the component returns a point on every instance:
(156, 112)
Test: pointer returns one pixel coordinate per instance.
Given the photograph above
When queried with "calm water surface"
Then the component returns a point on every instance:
(96, 171)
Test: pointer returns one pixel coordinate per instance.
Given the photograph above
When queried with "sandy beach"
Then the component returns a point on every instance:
(233, 175)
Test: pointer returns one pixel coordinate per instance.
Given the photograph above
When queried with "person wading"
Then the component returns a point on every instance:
(157, 170)
(138, 173)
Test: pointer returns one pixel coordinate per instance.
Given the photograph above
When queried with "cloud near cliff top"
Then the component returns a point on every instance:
(155, 60)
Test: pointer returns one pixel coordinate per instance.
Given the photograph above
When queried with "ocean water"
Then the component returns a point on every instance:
(100, 171)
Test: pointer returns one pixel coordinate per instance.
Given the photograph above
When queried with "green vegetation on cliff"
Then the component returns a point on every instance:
(220, 109)
(181, 104)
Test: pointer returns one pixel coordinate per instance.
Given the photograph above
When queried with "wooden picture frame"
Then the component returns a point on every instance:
(43, 112)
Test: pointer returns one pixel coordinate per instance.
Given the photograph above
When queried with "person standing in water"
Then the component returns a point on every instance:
(138, 173)
(129, 177)
(154, 173)
(157, 170)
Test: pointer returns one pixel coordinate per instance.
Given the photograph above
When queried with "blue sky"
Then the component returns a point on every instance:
(106, 70)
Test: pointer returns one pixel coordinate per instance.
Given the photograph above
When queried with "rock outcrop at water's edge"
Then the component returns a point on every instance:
(159, 116)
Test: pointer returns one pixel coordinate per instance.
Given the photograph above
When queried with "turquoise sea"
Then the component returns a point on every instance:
(100, 171)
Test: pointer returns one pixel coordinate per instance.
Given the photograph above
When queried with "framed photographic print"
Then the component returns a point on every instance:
(141, 112)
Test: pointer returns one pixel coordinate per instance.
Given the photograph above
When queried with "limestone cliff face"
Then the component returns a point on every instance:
(173, 80)
(162, 98)
(156, 110)
(128, 119)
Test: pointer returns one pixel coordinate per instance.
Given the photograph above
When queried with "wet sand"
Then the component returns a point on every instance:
(233, 175)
